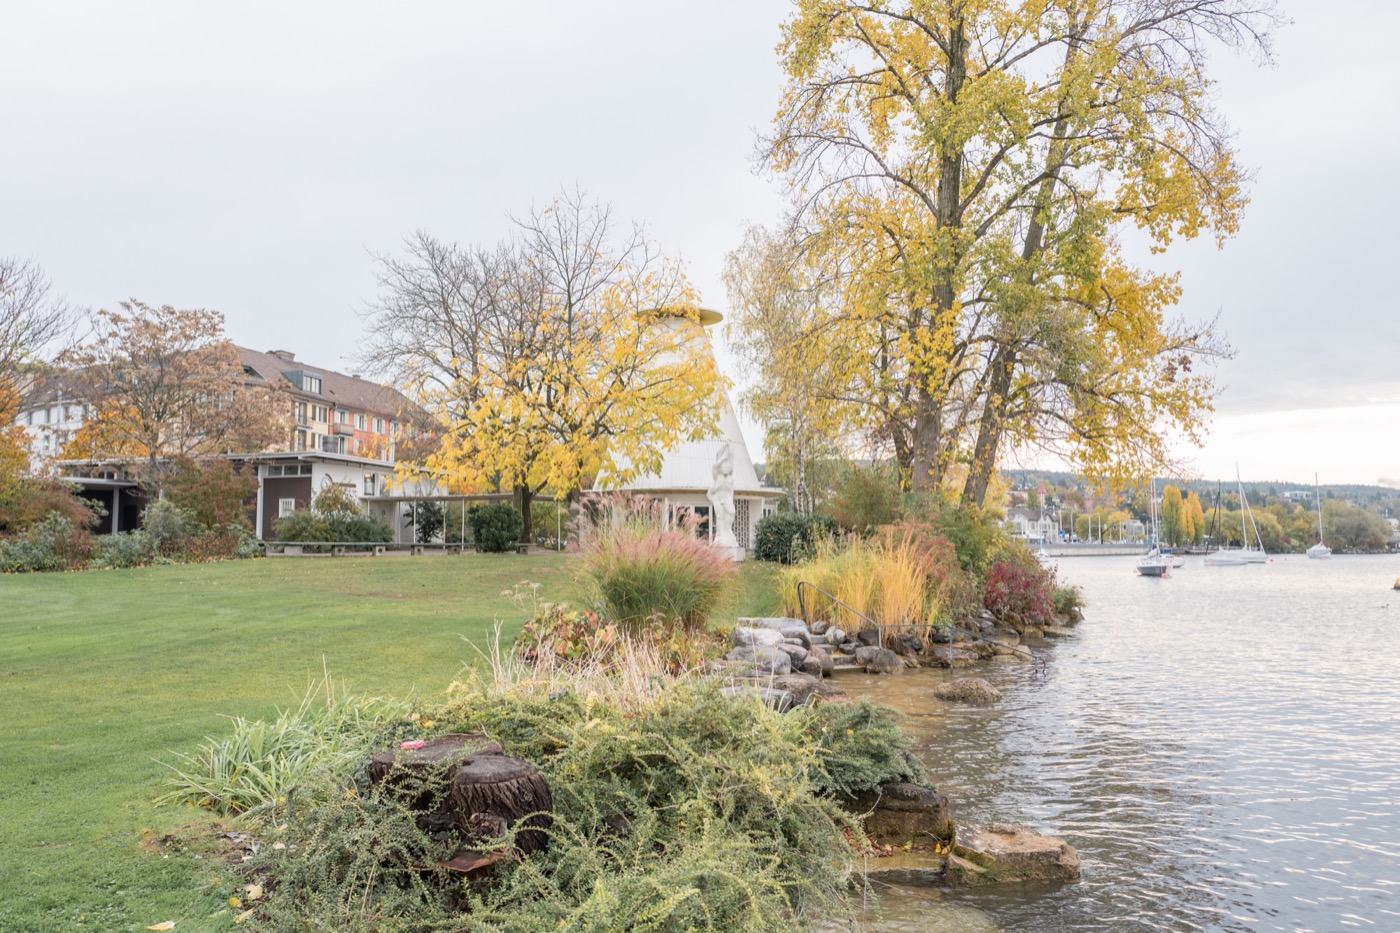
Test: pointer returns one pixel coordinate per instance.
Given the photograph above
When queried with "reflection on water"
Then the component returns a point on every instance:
(1222, 747)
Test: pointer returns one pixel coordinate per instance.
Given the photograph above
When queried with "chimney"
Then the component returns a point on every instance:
(285, 356)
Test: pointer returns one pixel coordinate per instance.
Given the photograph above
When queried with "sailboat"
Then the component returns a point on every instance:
(1319, 551)
(1234, 557)
(1154, 563)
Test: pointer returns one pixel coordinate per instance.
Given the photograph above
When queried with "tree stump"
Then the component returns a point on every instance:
(492, 793)
(421, 776)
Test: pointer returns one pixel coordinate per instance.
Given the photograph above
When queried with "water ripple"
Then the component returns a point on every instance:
(1221, 747)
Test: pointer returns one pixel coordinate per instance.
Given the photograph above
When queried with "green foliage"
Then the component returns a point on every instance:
(789, 537)
(1068, 600)
(429, 520)
(862, 746)
(334, 516)
(168, 527)
(123, 550)
(1349, 528)
(677, 810)
(865, 498)
(549, 520)
(976, 534)
(496, 527)
(567, 634)
(28, 501)
(56, 543)
(254, 769)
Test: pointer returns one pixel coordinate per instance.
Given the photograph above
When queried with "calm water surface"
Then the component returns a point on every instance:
(1222, 747)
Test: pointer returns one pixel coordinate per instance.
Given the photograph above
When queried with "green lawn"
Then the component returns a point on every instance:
(102, 673)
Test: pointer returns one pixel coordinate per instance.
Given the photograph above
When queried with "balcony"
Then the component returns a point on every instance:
(344, 430)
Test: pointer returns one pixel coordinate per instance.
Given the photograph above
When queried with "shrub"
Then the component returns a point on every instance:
(865, 498)
(566, 634)
(56, 543)
(642, 573)
(428, 519)
(168, 527)
(124, 549)
(863, 746)
(214, 493)
(788, 537)
(334, 516)
(675, 808)
(496, 527)
(549, 520)
(1068, 600)
(1020, 592)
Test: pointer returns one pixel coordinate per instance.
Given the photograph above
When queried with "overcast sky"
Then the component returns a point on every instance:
(250, 157)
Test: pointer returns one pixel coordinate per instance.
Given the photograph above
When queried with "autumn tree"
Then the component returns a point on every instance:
(779, 305)
(966, 168)
(165, 383)
(1197, 518)
(571, 350)
(1172, 515)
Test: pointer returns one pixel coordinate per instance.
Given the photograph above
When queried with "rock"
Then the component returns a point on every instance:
(902, 814)
(957, 657)
(811, 666)
(985, 615)
(776, 623)
(806, 688)
(835, 636)
(1002, 852)
(823, 658)
(724, 667)
(869, 637)
(797, 633)
(878, 660)
(743, 635)
(907, 645)
(796, 652)
(972, 690)
(819, 627)
(779, 700)
(766, 657)
(1055, 631)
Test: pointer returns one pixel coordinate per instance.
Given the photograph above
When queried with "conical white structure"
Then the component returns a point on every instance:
(687, 470)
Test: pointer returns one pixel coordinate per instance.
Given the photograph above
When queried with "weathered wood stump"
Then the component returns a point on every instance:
(464, 784)
(492, 793)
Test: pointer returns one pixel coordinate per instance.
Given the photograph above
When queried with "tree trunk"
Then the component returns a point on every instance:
(524, 498)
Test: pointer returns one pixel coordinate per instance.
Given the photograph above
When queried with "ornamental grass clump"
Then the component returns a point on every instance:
(645, 575)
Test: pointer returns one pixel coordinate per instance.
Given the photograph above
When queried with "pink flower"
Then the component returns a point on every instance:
(415, 743)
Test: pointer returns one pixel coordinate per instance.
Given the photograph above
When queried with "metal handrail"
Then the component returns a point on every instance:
(1014, 649)
(838, 603)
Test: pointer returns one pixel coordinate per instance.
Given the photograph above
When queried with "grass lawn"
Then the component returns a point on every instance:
(102, 673)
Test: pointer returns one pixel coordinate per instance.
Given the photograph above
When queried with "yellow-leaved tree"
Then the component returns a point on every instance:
(964, 171)
(570, 350)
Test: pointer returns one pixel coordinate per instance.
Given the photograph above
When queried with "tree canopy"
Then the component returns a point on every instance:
(964, 172)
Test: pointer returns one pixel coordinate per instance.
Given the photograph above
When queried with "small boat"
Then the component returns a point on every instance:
(1154, 563)
(1235, 557)
(1320, 550)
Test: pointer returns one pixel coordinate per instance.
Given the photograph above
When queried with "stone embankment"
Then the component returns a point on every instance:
(783, 662)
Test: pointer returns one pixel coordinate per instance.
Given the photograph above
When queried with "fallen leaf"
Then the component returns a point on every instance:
(167, 925)
(253, 891)
(245, 915)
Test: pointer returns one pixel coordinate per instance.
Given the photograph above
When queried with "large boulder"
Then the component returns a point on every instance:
(788, 627)
(972, 690)
(823, 658)
(806, 688)
(957, 657)
(835, 636)
(1003, 852)
(764, 657)
(744, 635)
(903, 814)
(796, 652)
(907, 645)
(878, 660)
(869, 637)
(820, 626)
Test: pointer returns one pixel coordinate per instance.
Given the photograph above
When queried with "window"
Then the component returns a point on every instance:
(342, 416)
(359, 422)
(333, 445)
(311, 384)
(299, 411)
(371, 483)
(378, 425)
(286, 507)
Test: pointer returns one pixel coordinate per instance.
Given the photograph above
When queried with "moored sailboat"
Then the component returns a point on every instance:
(1320, 550)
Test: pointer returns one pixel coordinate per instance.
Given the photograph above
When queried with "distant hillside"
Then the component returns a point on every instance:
(1024, 479)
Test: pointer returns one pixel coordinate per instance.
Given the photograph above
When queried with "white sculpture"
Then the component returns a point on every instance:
(721, 496)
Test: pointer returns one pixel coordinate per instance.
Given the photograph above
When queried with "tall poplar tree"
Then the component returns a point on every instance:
(966, 169)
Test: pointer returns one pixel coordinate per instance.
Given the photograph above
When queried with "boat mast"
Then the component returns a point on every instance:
(1317, 491)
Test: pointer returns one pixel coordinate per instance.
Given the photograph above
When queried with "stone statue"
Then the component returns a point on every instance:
(721, 496)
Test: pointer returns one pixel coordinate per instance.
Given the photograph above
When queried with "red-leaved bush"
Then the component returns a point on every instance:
(1019, 593)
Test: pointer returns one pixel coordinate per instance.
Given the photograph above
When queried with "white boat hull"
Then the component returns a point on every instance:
(1319, 552)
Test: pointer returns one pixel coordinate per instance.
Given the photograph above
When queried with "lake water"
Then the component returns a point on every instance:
(1222, 747)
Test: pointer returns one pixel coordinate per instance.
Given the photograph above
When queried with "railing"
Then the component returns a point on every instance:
(338, 548)
(839, 604)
